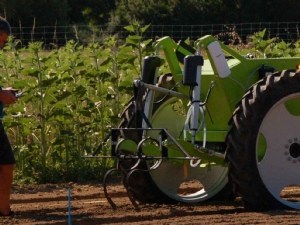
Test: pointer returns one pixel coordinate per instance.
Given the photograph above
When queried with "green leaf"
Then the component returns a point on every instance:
(63, 95)
(48, 82)
(80, 90)
(33, 72)
(129, 28)
(145, 28)
(133, 39)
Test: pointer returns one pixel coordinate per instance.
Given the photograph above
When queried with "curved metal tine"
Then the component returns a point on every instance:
(193, 163)
(135, 168)
(135, 165)
(141, 154)
(128, 189)
(117, 153)
(109, 199)
(156, 165)
(131, 171)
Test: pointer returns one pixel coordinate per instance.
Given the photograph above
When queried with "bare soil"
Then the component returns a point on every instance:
(81, 204)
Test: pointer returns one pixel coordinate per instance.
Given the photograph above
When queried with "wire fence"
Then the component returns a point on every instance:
(59, 35)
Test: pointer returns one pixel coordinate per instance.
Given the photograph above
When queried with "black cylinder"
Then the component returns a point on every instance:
(150, 63)
(191, 62)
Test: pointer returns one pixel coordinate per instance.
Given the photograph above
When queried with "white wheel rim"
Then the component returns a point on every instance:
(169, 175)
(279, 168)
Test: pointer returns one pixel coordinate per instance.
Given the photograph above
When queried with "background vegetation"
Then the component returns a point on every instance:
(157, 12)
(72, 97)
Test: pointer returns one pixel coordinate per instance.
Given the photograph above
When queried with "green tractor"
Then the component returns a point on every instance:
(216, 126)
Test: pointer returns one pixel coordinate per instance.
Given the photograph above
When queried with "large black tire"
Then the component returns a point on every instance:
(254, 168)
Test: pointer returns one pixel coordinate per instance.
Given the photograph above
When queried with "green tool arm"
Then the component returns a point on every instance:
(169, 46)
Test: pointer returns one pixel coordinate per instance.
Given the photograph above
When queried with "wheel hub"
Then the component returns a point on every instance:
(293, 151)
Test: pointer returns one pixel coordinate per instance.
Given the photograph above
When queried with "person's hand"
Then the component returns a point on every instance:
(7, 96)
(10, 89)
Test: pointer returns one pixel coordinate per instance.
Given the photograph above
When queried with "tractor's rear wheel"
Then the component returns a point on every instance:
(263, 144)
(173, 181)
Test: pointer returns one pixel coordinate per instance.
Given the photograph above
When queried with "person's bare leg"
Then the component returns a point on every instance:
(6, 179)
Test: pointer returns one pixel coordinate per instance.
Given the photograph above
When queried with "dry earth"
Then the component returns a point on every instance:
(48, 204)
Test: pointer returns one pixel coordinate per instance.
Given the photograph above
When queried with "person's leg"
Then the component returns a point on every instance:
(7, 161)
(6, 179)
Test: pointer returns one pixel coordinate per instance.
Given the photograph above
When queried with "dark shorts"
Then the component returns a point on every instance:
(6, 153)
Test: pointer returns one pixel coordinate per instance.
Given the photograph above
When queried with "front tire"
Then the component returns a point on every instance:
(263, 144)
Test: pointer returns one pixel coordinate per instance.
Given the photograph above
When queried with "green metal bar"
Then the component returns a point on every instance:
(168, 46)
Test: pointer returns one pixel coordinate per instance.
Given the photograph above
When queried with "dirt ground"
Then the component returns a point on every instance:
(49, 204)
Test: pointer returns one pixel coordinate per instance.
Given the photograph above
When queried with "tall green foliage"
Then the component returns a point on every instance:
(262, 46)
(73, 96)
